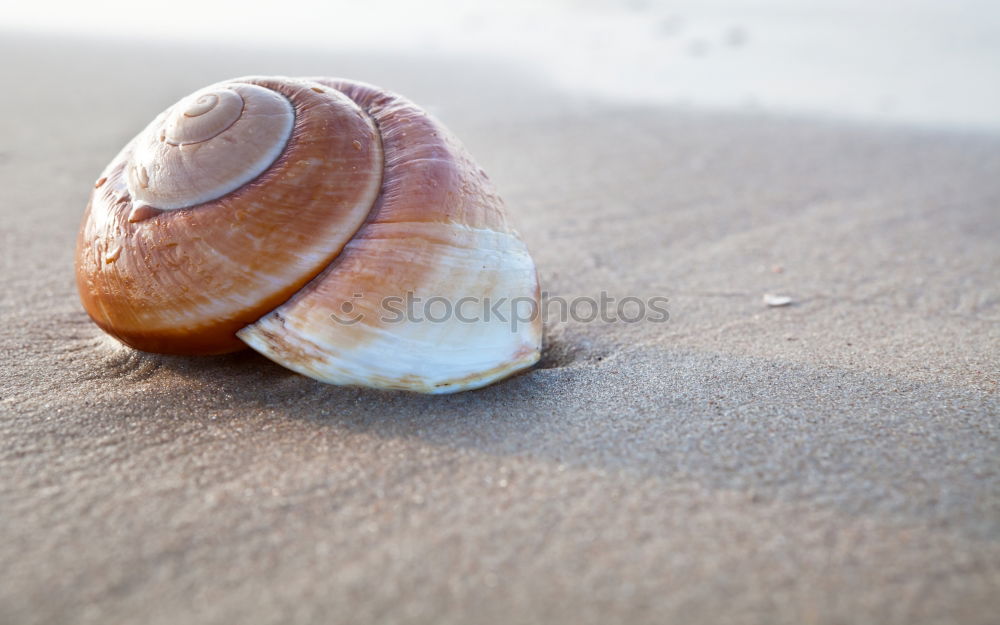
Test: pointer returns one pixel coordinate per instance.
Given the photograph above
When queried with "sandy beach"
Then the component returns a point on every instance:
(830, 461)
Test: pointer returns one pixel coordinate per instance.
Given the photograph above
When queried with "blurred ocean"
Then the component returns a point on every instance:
(920, 62)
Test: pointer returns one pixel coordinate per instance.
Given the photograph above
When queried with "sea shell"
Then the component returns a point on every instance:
(304, 218)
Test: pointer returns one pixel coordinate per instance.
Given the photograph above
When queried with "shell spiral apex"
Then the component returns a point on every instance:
(296, 216)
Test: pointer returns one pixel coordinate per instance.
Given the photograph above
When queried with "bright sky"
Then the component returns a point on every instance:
(911, 61)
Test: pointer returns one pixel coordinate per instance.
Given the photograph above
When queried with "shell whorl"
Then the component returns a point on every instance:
(209, 144)
(252, 211)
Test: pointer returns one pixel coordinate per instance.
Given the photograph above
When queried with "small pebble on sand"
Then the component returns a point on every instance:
(775, 301)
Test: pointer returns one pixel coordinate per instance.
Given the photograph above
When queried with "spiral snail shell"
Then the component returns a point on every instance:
(282, 213)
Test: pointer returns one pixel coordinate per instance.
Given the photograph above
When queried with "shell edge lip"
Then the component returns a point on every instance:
(486, 378)
(523, 359)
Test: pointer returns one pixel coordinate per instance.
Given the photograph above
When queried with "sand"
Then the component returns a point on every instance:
(830, 461)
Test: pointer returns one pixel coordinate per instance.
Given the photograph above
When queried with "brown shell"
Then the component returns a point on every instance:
(371, 199)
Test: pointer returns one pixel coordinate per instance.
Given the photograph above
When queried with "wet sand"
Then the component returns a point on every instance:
(830, 461)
